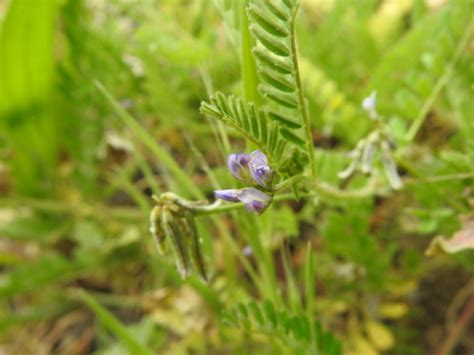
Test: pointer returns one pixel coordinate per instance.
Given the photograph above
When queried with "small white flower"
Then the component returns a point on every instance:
(369, 103)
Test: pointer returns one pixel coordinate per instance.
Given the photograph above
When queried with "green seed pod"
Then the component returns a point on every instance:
(188, 234)
(178, 246)
(367, 157)
(195, 246)
(156, 229)
(349, 170)
(390, 167)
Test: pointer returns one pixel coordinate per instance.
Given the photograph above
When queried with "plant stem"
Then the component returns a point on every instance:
(304, 109)
(321, 189)
(416, 125)
(458, 329)
(79, 210)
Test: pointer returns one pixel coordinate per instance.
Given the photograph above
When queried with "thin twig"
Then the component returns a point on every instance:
(457, 330)
(439, 85)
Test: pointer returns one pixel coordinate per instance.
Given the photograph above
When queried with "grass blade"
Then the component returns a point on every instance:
(183, 179)
(115, 326)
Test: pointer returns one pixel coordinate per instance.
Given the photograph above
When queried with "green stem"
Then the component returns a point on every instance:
(421, 178)
(79, 210)
(322, 189)
(416, 125)
(304, 109)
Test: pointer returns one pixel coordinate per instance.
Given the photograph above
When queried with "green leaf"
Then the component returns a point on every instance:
(283, 66)
(309, 280)
(115, 326)
(270, 42)
(26, 80)
(269, 24)
(248, 66)
(252, 123)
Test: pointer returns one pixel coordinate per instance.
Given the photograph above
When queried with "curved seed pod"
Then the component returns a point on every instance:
(177, 244)
(367, 157)
(156, 229)
(390, 167)
(196, 253)
(349, 170)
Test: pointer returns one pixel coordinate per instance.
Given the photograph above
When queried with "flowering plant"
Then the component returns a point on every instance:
(252, 169)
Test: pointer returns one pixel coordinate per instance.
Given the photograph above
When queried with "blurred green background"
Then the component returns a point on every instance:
(78, 270)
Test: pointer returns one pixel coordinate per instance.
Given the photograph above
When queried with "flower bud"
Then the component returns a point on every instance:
(369, 103)
(254, 199)
(231, 195)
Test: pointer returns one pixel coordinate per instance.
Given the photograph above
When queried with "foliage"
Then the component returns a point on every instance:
(106, 103)
(293, 330)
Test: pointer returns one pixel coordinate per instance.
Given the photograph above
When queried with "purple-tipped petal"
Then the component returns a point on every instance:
(238, 165)
(249, 194)
(232, 195)
(255, 206)
(255, 200)
(259, 169)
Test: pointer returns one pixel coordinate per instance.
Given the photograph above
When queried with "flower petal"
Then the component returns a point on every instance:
(250, 194)
(238, 165)
(255, 206)
(259, 169)
(255, 200)
(368, 104)
(232, 195)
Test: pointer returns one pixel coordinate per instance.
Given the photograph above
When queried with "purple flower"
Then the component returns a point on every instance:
(232, 195)
(254, 200)
(259, 169)
(247, 251)
(238, 165)
(251, 168)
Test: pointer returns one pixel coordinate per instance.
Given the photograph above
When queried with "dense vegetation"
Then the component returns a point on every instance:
(362, 241)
